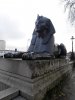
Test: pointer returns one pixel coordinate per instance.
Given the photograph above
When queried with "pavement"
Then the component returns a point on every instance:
(69, 88)
(67, 92)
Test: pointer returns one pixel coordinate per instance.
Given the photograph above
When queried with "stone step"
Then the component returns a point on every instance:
(19, 98)
(9, 94)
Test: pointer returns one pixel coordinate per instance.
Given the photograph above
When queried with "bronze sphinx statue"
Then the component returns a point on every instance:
(42, 43)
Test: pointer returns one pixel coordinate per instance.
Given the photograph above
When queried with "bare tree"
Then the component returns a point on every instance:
(70, 6)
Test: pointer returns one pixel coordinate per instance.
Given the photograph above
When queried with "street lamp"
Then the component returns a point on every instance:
(72, 38)
(72, 54)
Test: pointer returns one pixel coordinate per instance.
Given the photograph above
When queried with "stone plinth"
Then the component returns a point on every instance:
(33, 78)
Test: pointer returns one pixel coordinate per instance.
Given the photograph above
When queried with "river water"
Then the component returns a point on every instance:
(64, 91)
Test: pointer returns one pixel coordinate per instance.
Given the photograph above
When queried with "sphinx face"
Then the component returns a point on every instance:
(41, 27)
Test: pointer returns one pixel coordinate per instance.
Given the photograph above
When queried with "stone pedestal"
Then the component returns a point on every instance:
(33, 78)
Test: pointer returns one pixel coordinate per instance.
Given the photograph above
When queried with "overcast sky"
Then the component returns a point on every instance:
(17, 21)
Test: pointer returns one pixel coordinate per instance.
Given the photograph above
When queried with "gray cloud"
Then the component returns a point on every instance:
(9, 29)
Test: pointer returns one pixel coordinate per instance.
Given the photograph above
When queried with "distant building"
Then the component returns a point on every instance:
(2, 45)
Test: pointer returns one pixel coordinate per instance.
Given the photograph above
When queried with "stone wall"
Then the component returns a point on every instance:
(33, 78)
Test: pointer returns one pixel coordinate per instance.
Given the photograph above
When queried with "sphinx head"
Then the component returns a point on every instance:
(43, 26)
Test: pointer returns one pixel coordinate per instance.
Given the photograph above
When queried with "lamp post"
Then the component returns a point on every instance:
(72, 38)
(72, 54)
